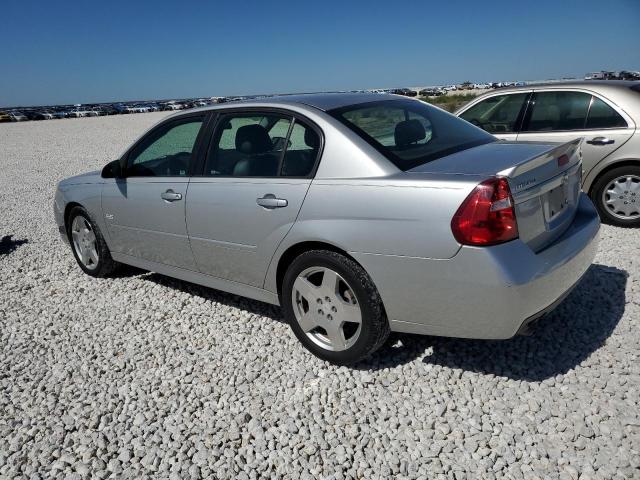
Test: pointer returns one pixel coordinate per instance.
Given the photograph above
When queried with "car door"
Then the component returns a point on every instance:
(563, 115)
(257, 172)
(499, 114)
(145, 210)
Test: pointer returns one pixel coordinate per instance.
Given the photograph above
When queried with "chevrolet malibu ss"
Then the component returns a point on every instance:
(358, 214)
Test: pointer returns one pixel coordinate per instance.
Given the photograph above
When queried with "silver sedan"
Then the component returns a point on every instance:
(358, 214)
(605, 113)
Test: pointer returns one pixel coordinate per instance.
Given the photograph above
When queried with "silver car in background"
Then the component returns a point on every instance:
(358, 214)
(605, 113)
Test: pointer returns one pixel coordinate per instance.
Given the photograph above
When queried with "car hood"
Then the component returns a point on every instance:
(89, 177)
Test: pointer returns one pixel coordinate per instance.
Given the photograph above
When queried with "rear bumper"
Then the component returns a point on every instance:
(484, 292)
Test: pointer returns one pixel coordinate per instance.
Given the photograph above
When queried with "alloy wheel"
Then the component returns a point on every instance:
(326, 308)
(84, 242)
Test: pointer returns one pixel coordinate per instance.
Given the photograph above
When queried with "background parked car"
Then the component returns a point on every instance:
(431, 92)
(17, 116)
(407, 92)
(605, 113)
(42, 115)
(4, 116)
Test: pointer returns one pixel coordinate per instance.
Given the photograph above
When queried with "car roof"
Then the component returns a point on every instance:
(321, 101)
(588, 84)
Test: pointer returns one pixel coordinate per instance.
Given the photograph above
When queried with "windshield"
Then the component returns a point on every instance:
(410, 133)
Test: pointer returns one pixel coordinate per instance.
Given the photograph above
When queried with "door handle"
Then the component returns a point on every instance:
(600, 141)
(270, 201)
(170, 196)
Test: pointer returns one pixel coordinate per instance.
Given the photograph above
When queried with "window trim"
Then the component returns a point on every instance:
(197, 146)
(218, 114)
(521, 114)
(583, 129)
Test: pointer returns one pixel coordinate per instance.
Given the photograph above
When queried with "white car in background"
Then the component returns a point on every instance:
(604, 113)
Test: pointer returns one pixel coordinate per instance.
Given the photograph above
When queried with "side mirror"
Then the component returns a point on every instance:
(112, 170)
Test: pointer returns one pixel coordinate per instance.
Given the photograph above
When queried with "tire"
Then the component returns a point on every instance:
(333, 283)
(630, 193)
(100, 266)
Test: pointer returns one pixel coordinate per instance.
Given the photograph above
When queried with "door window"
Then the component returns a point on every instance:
(497, 114)
(558, 111)
(262, 145)
(602, 115)
(302, 151)
(167, 151)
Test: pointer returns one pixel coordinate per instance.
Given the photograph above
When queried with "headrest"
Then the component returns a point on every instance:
(409, 131)
(311, 138)
(253, 139)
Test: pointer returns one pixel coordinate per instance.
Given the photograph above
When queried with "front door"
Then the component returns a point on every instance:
(257, 173)
(561, 116)
(145, 210)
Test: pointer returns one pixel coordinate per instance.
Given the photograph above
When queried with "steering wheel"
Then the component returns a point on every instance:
(477, 123)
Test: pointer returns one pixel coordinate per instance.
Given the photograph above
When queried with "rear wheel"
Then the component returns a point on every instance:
(88, 245)
(333, 307)
(616, 195)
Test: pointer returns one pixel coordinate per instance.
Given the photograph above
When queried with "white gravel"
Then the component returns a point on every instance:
(144, 376)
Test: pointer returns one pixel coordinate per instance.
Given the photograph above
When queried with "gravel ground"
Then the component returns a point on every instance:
(142, 376)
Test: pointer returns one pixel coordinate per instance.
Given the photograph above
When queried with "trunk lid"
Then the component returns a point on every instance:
(545, 181)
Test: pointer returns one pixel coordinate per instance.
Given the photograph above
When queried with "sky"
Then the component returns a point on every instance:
(58, 52)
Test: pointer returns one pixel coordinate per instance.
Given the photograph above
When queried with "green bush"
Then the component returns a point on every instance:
(450, 103)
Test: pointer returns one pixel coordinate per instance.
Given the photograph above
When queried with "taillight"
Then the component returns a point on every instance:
(487, 216)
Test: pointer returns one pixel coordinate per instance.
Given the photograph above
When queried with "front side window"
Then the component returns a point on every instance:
(167, 151)
(262, 145)
(410, 133)
(558, 111)
(497, 114)
(602, 115)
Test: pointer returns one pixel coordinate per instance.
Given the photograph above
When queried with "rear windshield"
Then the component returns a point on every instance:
(410, 133)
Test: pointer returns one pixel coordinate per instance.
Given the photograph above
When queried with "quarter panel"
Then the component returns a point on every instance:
(88, 195)
(408, 215)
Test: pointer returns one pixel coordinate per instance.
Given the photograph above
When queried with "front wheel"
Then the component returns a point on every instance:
(333, 307)
(88, 245)
(616, 195)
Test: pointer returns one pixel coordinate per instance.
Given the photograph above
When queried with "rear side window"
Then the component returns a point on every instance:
(602, 115)
(248, 145)
(262, 145)
(497, 114)
(554, 111)
(410, 133)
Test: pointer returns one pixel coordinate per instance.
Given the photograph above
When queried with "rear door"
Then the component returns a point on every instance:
(145, 210)
(563, 115)
(257, 172)
(499, 114)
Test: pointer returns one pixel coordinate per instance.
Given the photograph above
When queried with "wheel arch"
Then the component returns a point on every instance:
(595, 175)
(295, 250)
(67, 212)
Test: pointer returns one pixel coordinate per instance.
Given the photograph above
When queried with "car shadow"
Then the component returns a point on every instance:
(251, 306)
(8, 245)
(559, 342)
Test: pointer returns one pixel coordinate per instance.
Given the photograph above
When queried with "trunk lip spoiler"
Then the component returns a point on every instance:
(538, 160)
